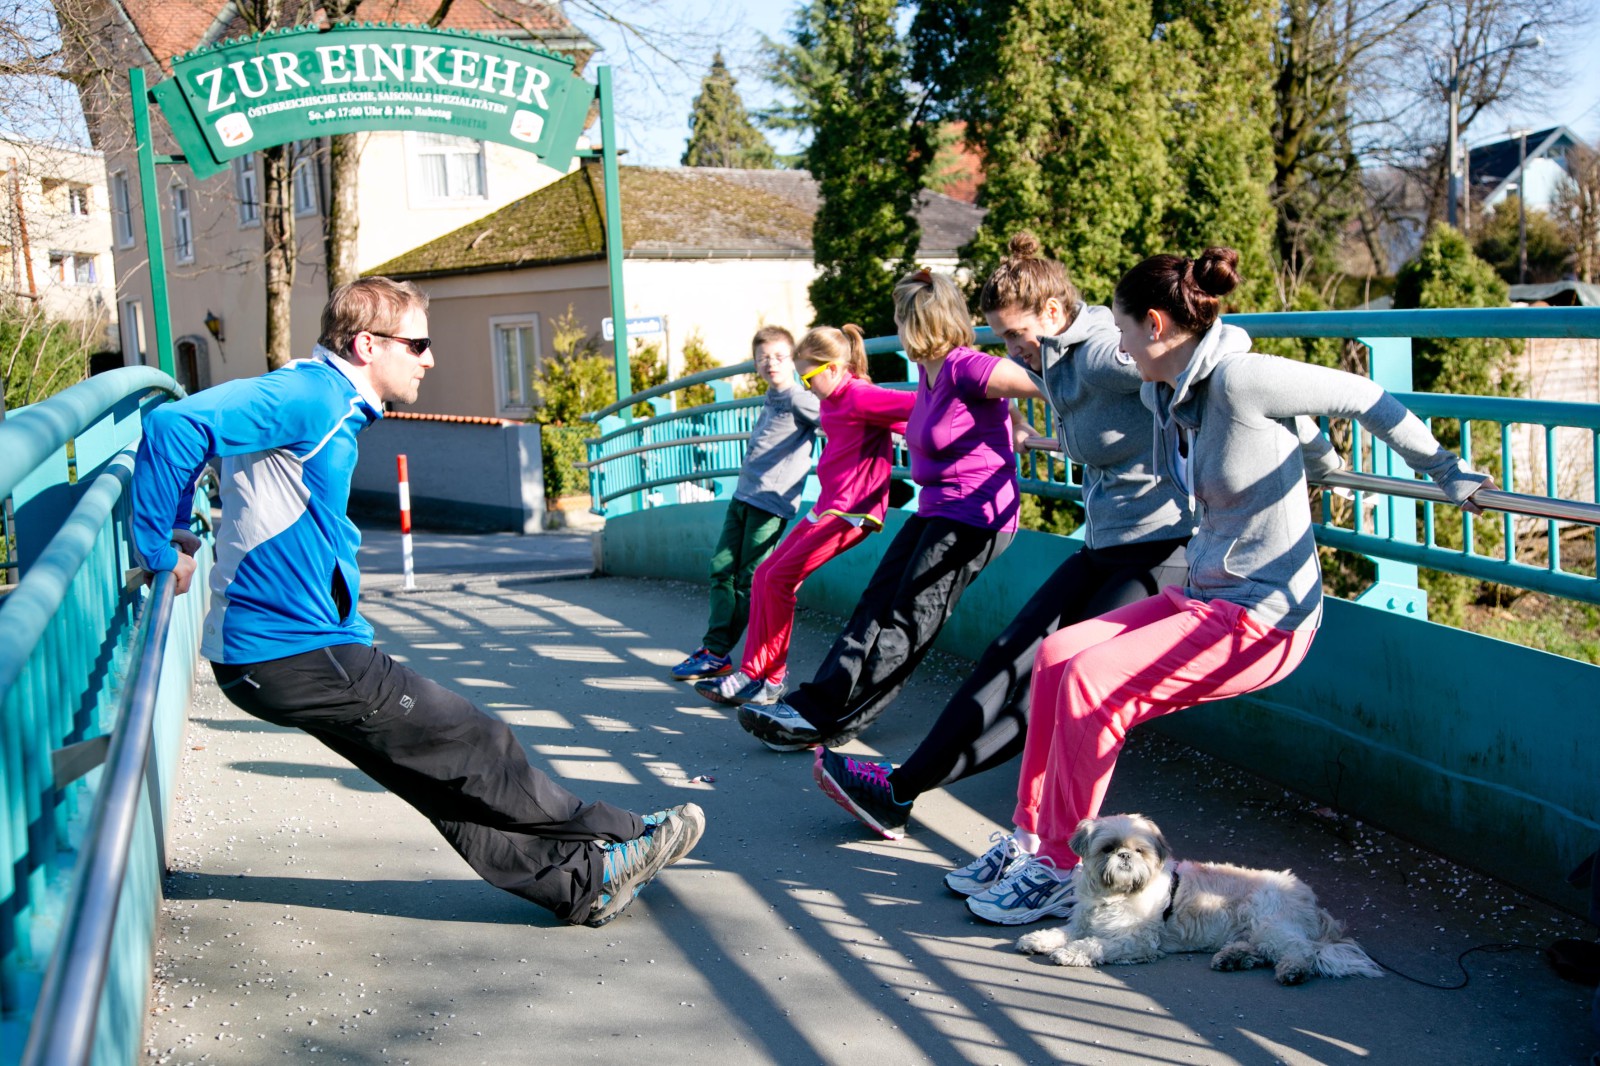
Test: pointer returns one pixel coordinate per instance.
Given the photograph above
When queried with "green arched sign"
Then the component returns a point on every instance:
(305, 82)
(302, 83)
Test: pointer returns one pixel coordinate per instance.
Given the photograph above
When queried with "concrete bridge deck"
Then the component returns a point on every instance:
(312, 917)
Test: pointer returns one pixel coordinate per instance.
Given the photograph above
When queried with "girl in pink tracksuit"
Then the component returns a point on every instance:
(857, 418)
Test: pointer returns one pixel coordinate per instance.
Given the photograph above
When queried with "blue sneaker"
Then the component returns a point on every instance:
(632, 864)
(1037, 890)
(1003, 859)
(701, 664)
(779, 726)
(863, 789)
(739, 687)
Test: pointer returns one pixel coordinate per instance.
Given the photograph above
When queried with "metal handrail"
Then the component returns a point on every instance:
(36, 598)
(710, 438)
(1490, 499)
(716, 373)
(31, 435)
(62, 1033)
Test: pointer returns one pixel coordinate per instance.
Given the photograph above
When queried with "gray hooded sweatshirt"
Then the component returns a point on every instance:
(1235, 410)
(778, 457)
(1101, 422)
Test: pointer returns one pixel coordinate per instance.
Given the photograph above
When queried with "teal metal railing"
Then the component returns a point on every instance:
(695, 453)
(69, 680)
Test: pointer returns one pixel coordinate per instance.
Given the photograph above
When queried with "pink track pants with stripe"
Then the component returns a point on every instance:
(1094, 681)
(776, 584)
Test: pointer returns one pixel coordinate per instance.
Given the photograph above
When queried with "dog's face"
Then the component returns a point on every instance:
(1121, 853)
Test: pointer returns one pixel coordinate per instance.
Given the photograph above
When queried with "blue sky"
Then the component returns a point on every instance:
(654, 97)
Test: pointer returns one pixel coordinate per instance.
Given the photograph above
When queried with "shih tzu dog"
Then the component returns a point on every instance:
(1136, 904)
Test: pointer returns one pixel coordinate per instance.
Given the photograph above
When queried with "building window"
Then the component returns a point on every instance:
(78, 200)
(121, 209)
(305, 178)
(244, 186)
(515, 343)
(130, 323)
(72, 268)
(182, 225)
(447, 168)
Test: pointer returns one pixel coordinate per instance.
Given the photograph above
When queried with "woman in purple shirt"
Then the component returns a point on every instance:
(960, 436)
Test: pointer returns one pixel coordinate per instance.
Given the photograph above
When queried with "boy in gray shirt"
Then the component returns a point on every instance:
(777, 461)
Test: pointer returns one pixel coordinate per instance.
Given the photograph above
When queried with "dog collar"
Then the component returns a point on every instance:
(1172, 897)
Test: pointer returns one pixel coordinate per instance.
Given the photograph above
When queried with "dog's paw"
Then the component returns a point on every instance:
(1070, 956)
(1236, 956)
(1041, 941)
(1294, 971)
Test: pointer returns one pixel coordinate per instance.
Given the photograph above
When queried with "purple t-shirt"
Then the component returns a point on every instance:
(960, 443)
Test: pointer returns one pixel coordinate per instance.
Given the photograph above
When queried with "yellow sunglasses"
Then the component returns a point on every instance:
(805, 379)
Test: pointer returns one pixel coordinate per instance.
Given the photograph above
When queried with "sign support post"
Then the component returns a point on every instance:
(150, 207)
(611, 178)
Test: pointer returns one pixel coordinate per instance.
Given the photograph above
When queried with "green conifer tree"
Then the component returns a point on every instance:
(1060, 101)
(847, 71)
(1216, 80)
(720, 131)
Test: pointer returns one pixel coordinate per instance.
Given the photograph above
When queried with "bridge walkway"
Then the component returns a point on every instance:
(312, 917)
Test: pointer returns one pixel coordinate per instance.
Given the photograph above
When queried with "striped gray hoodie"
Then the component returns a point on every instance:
(1235, 409)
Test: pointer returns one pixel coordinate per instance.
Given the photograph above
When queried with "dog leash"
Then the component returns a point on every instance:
(1172, 897)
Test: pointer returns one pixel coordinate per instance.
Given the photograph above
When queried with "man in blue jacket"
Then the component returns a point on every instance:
(286, 642)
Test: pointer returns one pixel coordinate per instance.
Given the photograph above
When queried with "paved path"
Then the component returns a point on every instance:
(312, 917)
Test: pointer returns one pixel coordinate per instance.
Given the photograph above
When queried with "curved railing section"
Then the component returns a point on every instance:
(1545, 455)
(81, 837)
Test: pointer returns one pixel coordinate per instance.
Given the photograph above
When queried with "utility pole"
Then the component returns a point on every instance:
(1453, 94)
(1522, 207)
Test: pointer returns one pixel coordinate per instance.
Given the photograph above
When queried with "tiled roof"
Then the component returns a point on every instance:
(172, 27)
(667, 212)
(475, 420)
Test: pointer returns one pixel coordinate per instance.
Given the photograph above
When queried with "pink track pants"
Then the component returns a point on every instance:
(1094, 681)
(776, 583)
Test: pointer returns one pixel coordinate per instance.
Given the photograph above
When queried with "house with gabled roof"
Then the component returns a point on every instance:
(707, 251)
(412, 188)
(1536, 160)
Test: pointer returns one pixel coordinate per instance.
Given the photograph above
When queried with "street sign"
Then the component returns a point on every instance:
(302, 83)
(645, 326)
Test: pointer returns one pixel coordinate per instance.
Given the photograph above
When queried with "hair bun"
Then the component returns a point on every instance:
(1216, 271)
(1024, 245)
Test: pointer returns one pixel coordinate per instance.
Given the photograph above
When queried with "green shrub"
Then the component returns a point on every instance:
(41, 356)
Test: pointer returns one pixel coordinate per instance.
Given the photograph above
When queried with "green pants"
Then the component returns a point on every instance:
(749, 535)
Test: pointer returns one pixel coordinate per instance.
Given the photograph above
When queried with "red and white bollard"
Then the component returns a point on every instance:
(405, 520)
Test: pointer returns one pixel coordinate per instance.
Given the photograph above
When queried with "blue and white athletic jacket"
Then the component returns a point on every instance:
(285, 579)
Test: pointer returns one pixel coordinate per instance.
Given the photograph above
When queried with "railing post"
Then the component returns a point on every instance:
(666, 494)
(1389, 365)
(622, 504)
(723, 487)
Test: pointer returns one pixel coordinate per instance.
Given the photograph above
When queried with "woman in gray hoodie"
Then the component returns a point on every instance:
(1225, 435)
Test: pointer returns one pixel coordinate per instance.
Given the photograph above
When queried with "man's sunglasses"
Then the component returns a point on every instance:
(418, 345)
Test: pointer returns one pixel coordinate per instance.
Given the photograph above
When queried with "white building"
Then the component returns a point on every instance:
(55, 230)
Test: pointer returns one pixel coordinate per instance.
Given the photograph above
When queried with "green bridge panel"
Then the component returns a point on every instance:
(1416, 727)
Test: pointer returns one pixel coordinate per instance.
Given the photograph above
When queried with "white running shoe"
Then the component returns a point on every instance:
(1036, 890)
(1005, 857)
